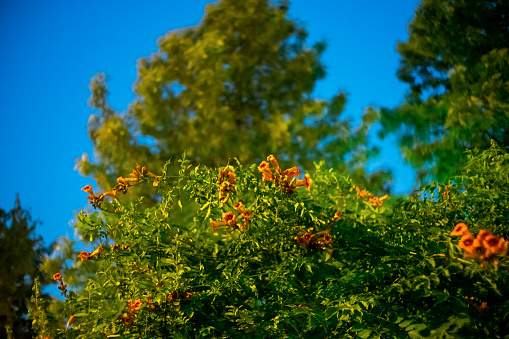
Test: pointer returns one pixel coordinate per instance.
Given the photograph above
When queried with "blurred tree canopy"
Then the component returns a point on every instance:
(456, 62)
(237, 85)
(21, 252)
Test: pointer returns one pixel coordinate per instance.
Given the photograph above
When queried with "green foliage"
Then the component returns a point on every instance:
(237, 85)
(394, 273)
(21, 254)
(456, 62)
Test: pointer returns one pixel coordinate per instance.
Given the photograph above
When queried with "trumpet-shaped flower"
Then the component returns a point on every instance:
(89, 190)
(97, 251)
(84, 256)
(216, 224)
(126, 319)
(306, 182)
(134, 306)
(494, 245)
(327, 239)
(274, 163)
(71, 320)
(230, 219)
(292, 172)
(239, 207)
(112, 193)
(467, 243)
(483, 234)
(232, 178)
(266, 171)
(247, 215)
(306, 238)
(459, 229)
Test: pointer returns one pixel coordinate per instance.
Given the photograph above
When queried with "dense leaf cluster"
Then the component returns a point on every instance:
(394, 272)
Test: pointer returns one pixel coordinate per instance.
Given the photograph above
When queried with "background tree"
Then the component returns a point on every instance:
(21, 252)
(237, 85)
(456, 62)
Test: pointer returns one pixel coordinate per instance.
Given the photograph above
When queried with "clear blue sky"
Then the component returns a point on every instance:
(49, 50)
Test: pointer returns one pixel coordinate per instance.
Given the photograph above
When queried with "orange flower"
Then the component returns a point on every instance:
(247, 215)
(239, 206)
(360, 194)
(112, 194)
(97, 251)
(89, 190)
(71, 320)
(151, 302)
(134, 306)
(494, 245)
(467, 243)
(216, 224)
(306, 238)
(305, 182)
(84, 256)
(483, 308)
(126, 181)
(230, 219)
(337, 216)
(57, 276)
(267, 173)
(139, 171)
(482, 235)
(327, 239)
(292, 172)
(377, 202)
(274, 163)
(126, 319)
(172, 295)
(231, 178)
(459, 229)
(300, 240)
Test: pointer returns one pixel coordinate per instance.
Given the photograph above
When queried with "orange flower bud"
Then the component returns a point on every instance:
(274, 163)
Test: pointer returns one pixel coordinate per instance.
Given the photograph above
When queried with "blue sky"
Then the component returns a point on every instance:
(49, 50)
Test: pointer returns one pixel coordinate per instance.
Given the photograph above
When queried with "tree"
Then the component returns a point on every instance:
(237, 85)
(456, 62)
(21, 252)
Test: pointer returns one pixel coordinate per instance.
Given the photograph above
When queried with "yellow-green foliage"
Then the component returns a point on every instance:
(367, 268)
